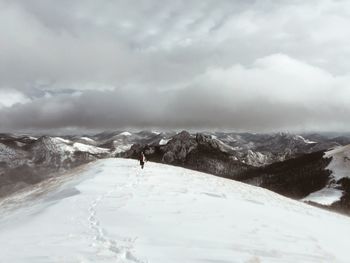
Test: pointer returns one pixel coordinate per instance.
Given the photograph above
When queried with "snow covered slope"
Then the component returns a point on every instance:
(113, 211)
(340, 164)
(340, 169)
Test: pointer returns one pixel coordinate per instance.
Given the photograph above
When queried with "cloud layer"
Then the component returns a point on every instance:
(242, 65)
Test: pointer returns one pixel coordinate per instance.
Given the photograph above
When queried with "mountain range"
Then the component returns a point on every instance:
(308, 167)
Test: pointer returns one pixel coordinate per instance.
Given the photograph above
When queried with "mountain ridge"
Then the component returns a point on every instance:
(251, 158)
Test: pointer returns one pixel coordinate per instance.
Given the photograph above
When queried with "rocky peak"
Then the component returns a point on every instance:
(178, 148)
(208, 142)
(183, 136)
(203, 138)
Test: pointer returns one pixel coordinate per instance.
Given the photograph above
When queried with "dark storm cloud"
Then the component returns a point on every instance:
(257, 65)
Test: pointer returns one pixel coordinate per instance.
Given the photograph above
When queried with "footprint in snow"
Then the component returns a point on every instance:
(214, 195)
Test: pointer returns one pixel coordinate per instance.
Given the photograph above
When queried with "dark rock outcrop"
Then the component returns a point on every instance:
(200, 152)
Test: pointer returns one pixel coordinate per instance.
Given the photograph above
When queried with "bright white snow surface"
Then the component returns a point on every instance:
(112, 211)
(87, 139)
(89, 148)
(164, 141)
(305, 140)
(325, 196)
(125, 133)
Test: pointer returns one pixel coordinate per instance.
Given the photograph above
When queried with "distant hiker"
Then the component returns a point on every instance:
(142, 159)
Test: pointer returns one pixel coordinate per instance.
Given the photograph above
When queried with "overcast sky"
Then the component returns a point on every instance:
(170, 64)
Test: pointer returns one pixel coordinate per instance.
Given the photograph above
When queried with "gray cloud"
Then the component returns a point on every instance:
(245, 65)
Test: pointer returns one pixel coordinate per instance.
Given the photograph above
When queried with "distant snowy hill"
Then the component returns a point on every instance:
(321, 178)
(27, 160)
(112, 211)
(338, 186)
(263, 149)
(120, 142)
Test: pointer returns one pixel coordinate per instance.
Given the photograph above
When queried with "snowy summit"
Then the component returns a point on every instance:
(112, 211)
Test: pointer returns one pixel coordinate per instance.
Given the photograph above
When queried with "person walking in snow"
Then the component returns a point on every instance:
(142, 159)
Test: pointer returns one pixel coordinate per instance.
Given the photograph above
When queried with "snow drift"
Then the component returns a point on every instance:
(112, 211)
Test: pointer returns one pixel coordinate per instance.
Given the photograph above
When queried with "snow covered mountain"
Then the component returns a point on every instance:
(199, 152)
(112, 211)
(62, 153)
(298, 169)
(120, 142)
(232, 155)
(251, 149)
(267, 160)
(321, 178)
(27, 160)
(337, 190)
(263, 149)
